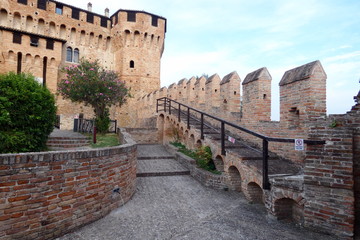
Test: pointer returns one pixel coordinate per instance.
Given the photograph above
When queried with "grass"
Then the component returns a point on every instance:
(202, 157)
(105, 140)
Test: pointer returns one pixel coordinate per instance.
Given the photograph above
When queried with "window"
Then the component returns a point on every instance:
(59, 9)
(154, 21)
(90, 18)
(34, 41)
(69, 54)
(72, 55)
(16, 38)
(19, 60)
(22, 1)
(75, 14)
(41, 4)
(76, 55)
(132, 64)
(104, 22)
(50, 44)
(131, 16)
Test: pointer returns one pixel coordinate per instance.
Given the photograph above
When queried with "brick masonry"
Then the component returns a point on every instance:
(324, 193)
(45, 195)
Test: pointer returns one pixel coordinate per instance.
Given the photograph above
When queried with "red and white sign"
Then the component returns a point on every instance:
(231, 139)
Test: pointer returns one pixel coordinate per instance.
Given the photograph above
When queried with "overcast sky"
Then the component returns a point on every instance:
(215, 36)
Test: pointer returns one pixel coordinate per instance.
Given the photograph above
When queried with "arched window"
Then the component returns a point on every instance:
(132, 64)
(76, 55)
(69, 54)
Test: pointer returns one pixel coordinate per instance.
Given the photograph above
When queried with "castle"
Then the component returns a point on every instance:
(40, 37)
(322, 193)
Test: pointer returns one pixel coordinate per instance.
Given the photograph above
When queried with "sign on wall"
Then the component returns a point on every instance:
(299, 144)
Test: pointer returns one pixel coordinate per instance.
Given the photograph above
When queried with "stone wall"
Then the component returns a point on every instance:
(45, 195)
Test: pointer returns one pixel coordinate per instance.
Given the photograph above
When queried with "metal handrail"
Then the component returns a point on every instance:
(165, 102)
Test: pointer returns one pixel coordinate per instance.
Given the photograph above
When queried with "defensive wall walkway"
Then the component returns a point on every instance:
(170, 204)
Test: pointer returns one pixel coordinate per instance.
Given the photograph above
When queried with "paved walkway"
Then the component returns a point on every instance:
(179, 207)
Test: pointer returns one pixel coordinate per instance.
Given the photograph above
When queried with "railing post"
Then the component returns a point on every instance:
(202, 126)
(223, 138)
(165, 104)
(266, 184)
(170, 107)
(179, 113)
(157, 105)
(188, 118)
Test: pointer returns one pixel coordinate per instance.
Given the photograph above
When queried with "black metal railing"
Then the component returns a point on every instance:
(169, 105)
(87, 125)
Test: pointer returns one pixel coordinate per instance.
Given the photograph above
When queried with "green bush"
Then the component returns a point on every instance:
(102, 122)
(27, 114)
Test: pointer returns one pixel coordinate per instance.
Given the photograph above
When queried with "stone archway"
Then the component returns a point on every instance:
(289, 209)
(254, 193)
(234, 179)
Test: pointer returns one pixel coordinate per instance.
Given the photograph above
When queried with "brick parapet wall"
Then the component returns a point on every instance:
(45, 195)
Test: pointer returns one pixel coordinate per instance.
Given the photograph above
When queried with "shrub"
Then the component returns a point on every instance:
(27, 114)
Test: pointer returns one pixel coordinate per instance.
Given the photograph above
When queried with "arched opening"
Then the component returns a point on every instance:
(234, 179)
(127, 37)
(3, 17)
(69, 54)
(219, 163)
(132, 64)
(192, 142)
(11, 55)
(108, 43)
(41, 26)
(28, 58)
(82, 37)
(19, 62)
(288, 209)
(100, 42)
(198, 144)
(73, 35)
(62, 31)
(29, 23)
(17, 20)
(91, 38)
(255, 193)
(137, 38)
(52, 29)
(76, 55)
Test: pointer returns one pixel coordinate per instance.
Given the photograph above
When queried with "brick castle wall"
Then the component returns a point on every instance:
(45, 195)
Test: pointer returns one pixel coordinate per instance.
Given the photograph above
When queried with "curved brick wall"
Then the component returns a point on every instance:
(45, 195)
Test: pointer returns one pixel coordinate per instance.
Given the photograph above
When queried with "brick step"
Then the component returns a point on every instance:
(67, 145)
(67, 141)
(162, 174)
(156, 157)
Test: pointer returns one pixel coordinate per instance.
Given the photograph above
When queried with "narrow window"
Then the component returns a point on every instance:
(154, 21)
(34, 41)
(16, 38)
(131, 16)
(75, 14)
(44, 71)
(69, 54)
(132, 64)
(104, 22)
(50, 44)
(59, 9)
(41, 4)
(90, 18)
(22, 1)
(19, 60)
(76, 55)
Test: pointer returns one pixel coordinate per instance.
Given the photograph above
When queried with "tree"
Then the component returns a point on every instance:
(91, 84)
(27, 114)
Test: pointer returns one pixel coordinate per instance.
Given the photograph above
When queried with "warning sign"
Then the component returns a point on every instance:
(299, 144)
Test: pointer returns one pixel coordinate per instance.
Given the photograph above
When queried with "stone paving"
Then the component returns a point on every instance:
(179, 207)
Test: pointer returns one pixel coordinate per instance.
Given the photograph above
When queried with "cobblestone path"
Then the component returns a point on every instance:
(176, 206)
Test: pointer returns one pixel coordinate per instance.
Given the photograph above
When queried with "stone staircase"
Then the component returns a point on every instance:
(154, 160)
(63, 139)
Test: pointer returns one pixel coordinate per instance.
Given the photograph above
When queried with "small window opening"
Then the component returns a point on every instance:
(59, 9)
(104, 22)
(50, 44)
(16, 38)
(75, 14)
(264, 96)
(234, 92)
(131, 16)
(215, 90)
(90, 18)
(154, 21)
(19, 60)
(34, 41)
(41, 4)
(69, 54)
(22, 2)
(132, 64)
(76, 55)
